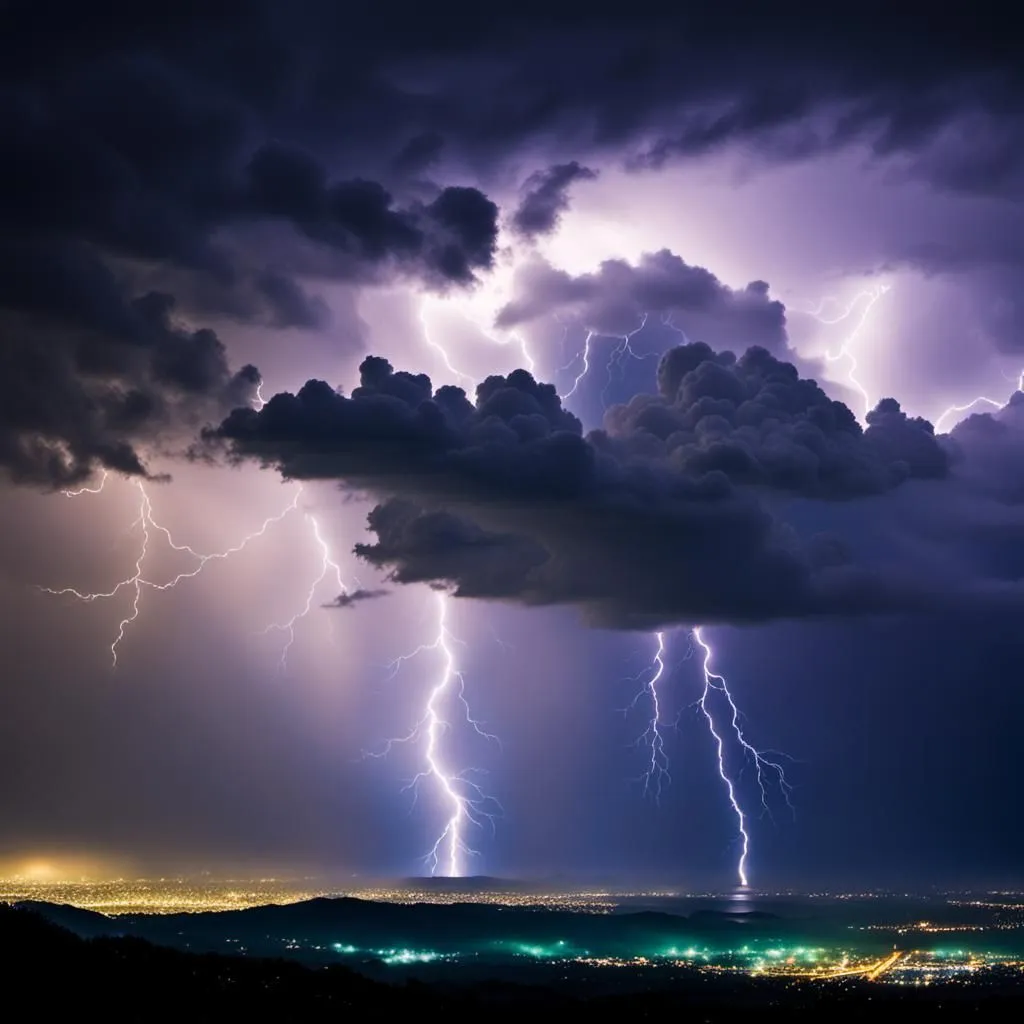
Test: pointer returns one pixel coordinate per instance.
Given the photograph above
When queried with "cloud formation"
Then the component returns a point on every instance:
(546, 198)
(654, 519)
(615, 299)
(353, 597)
(135, 183)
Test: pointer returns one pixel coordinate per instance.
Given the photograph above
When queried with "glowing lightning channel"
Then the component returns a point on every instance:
(866, 300)
(762, 764)
(618, 354)
(979, 400)
(439, 348)
(656, 775)
(585, 356)
(465, 799)
(741, 821)
(137, 582)
(327, 565)
(89, 490)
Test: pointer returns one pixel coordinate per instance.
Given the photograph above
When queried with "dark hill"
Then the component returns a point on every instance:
(310, 930)
(51, 974)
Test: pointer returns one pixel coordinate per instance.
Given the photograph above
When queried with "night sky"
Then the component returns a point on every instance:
(577, 325)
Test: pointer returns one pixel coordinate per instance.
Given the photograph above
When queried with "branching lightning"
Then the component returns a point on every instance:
(327, 565)
(439, 348)
(865, 301)
(763, 765)
(147, 525)
(656, 774)
(615, 358)
(465, 799)
(466, 802)
(620, 352)
(478, 321)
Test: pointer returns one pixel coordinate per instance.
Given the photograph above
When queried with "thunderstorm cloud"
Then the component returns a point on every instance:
(616, 299)
(657, 518)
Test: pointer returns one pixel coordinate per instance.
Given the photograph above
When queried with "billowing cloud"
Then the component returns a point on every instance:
(133, 184)
(614, 300)
(546, 198)
(654, 519)
(88, 375)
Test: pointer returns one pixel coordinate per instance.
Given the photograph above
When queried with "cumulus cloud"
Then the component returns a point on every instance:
(988, 450)
(615, 299)
(654, 519)
(546, 198)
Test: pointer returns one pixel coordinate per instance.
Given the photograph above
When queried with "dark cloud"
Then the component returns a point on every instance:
(546, 198)
(421, 152)
(988, 449)
(654, 519)
(615, 299)
(353, 597)
(755, 420)
(289, 303)
(131, 175)
(663, 81)
(443, 242)
(417, 546)
(88, 375)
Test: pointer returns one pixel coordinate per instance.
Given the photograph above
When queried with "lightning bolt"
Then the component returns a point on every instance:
(616, 357)
(865, 300)
(619, 353)
(585, 356)
(439, 348)
(979, 400)
(138, 581)
(763, 765)
(89, 490)
(479, 322)
(465, 801)
(327, 565)
(656, 775)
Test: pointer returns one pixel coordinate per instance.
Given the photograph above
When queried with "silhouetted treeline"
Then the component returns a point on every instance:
(52, 974)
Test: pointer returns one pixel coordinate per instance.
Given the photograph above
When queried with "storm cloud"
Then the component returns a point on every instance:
(546, 198)
(132, 191)
(616, 299)
(656, 518)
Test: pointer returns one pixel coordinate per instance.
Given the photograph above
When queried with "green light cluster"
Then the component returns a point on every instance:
(390, 956)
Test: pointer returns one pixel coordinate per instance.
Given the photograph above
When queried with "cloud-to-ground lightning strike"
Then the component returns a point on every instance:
(327, 565)
(866, 301)
(762, 764)
(465, 800)
(138, 581)
(656, 774)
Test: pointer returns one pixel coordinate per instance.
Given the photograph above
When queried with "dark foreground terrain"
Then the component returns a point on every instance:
(53, 973)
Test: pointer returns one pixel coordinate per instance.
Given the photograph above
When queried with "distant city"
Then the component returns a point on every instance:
(892, 938)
